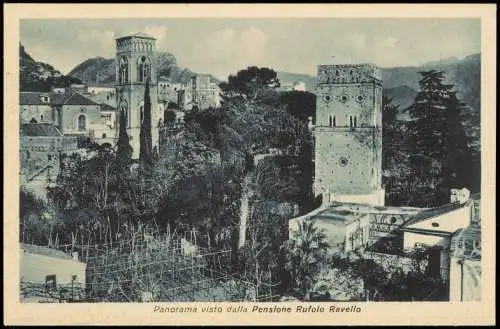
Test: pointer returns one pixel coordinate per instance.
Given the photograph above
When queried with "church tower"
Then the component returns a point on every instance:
(348, 134)
(135, 64)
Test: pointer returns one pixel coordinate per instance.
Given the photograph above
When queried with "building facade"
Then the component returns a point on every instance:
(348, 134)
(48, 275)
(136, 65)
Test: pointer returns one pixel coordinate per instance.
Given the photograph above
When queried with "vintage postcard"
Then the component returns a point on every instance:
(249, 164)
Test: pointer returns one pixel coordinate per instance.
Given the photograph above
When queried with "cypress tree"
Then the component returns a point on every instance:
(146, 145)
(124, 150)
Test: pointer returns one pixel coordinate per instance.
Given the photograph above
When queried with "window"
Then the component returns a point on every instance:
(144, 69)
(50, 281)
(343, 162)
(343, 98)
(334, 123)
(355, 121)
(350, 121)
(82, 123)
(123, 70)
(124, 111)
(41, 117)
(74, 277)
(330, 122)
(393, 220)
(49, 157)
(104, 135)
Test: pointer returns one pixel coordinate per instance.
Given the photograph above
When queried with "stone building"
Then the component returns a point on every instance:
(41, 147)
(357, 226)
(70, 112)
(168, 91)
(439, 228)
(135, 65)
(201, 92)
(348, 134)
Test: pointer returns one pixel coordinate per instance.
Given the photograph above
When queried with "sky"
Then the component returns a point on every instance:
(222, 46)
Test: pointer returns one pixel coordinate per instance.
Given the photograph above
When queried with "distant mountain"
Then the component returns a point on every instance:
(291, 78)
(465, 74)
(101, 70)
(39, 76)
(402, 82)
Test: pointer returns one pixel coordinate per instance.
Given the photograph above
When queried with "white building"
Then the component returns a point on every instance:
(49, 274)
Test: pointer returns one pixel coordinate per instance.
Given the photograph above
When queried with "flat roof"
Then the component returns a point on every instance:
(45, 251)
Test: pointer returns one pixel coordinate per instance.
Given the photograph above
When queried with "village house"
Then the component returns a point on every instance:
(48, 274)
(356, 226)
(452, 234)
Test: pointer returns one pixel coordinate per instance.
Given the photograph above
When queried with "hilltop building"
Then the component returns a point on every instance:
(348, 169)
(136, 67)
(348, 134)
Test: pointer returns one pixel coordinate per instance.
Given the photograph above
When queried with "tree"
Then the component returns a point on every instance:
(146, 145)
(301, 105)
(436, 137)
(249, 83)
(304, 253)
(124, 150)
(392, 134)
(169, 116)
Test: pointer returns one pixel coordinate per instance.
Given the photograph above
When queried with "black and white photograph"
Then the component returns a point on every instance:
(262, 160)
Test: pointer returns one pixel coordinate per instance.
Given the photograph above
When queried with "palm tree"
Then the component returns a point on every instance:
(304, 252)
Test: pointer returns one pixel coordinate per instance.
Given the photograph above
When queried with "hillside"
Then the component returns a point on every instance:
(39, 76)
(101, 70)
(402, 82)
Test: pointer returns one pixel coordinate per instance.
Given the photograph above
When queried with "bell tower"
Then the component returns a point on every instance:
(348, 134)
(136, 64)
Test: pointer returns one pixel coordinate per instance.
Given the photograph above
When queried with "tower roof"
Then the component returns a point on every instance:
(137, 35)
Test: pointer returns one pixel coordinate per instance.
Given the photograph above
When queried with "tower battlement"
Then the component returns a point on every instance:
(139, 42)
(348, 73)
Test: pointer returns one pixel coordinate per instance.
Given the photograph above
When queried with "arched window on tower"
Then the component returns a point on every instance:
(123, 70)
(41, 117)
(330, 122)
(144, 69)
(82, 123)
(355, 121)
(124, 111)
(350, 121)
(334, 121)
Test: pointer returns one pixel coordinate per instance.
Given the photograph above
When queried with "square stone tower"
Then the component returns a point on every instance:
(348, 134)
(135, 64)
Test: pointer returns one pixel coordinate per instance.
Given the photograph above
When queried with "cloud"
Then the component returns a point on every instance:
(228, 50)
(102, 41)
(160, 33)
(254, 43)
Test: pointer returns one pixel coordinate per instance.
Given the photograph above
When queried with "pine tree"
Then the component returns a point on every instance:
(124, 150)
(436, 138)
(146, 145)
